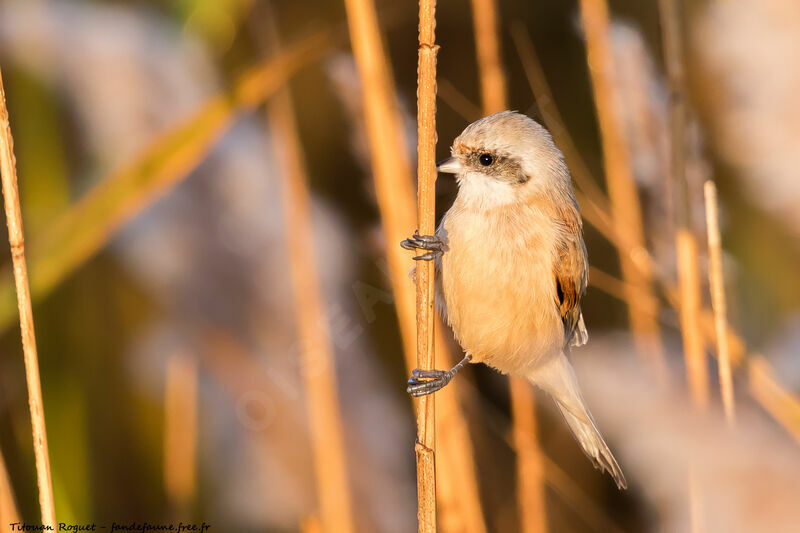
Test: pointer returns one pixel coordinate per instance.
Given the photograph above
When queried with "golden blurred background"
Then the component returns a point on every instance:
(211, 191)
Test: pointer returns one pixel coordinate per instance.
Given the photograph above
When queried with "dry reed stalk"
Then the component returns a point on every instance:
(625, 205)
(689, 303)
(530, 474)
(776, 400)
(689, 308)
(392, 175)
(80, 232)
(487, 48)
(530, 465)
(317, 356)
(685, 242)
(390, 166)
(17, 242)
(8, 506)
(180, 432)
(736, 347)
(457, 493)
(716, 281)
(617, 288)
(426, 216)
(736, 344)
(317, 353)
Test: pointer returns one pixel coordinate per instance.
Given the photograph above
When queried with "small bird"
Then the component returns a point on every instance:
(511, 267)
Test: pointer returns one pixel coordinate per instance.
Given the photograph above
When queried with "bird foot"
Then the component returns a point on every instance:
(424, 382)
(433, 245)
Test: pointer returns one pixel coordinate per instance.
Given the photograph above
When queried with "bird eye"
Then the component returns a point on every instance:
(486, 159)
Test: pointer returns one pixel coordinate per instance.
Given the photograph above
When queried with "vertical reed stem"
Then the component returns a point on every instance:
(180, 432)
(459, 507)
(716, 281)
(487, 48)
(689, 304)
(530, 472)
(17, 243)
(625, 205)
(426, 197)
(391, 168)
(392, 175)
(530, 459)
(318, 364)
(685, 243)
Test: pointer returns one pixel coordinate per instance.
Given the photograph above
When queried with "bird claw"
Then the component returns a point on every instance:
(432, 244)
(424, 382)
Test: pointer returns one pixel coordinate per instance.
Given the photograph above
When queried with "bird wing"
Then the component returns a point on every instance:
(571, 277)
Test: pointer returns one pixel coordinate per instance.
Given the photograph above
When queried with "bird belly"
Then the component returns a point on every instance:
(500, 295)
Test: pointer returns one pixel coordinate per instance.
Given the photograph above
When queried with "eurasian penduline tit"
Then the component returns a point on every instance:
(511, 267)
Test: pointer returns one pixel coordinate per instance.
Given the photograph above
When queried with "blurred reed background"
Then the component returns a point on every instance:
(213, 194)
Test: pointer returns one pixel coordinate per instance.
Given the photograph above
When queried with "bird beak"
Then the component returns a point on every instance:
(451, 165)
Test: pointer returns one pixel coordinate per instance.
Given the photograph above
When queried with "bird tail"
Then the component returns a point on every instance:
(557, 378)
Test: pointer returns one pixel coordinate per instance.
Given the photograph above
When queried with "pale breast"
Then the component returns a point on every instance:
(498, 285)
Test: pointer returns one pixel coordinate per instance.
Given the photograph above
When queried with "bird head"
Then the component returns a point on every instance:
(505, 158)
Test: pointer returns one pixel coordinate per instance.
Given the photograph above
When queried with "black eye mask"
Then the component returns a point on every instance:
(500, 167)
